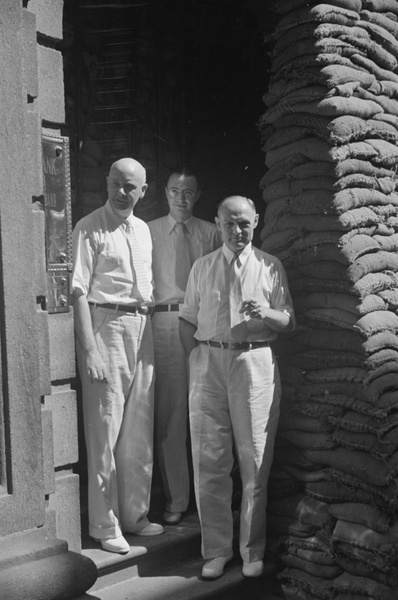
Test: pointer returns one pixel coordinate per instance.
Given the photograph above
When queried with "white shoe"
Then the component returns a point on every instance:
(214, 567)
(253, 569)
(118, 545)
(148, 530)
(172, 518)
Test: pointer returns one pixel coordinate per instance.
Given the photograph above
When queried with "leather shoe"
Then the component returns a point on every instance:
(118, 545)
(172, 518)
(253, 569)
(214, 567)
(149, 529)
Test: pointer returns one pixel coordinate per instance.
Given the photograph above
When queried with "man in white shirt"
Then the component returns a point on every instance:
(113, 302)
(236, 302)
(178, 240)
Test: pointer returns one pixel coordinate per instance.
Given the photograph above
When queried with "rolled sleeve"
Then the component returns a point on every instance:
(190, 308)
(281, 298)
(83, 261)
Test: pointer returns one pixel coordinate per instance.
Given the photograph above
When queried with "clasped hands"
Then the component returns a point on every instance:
(254, 309)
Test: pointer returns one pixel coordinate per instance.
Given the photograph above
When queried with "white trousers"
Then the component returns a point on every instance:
(234, 399)
(118, 424)
(171, 410)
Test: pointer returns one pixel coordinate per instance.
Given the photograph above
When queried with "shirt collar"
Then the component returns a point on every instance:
(172, 222)
(243, 256)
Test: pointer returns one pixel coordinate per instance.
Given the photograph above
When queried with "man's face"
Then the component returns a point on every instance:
(236, 222)
(125, 185)
(181, 193)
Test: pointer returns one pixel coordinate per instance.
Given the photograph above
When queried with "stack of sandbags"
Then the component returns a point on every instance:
(330, 138)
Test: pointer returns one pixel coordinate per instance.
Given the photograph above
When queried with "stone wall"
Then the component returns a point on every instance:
(39, 494)
(56, 330)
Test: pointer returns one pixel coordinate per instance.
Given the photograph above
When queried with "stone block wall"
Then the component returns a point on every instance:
(39, 493)
(55, 331)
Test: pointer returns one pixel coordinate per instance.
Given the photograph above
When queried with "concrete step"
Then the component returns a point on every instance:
(169, 567)
(182, 581)
(147, 554)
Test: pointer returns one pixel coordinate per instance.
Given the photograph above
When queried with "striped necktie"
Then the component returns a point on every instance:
(182, 261)
(142, 281)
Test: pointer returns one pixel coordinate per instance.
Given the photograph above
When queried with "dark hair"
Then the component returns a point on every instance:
(186, 171)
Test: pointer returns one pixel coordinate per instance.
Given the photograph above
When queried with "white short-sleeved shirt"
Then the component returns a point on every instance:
(102, 263)
(207, 304)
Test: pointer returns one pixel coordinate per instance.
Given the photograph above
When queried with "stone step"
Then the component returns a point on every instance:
(169, 567)
(147, 554)
(182, 581)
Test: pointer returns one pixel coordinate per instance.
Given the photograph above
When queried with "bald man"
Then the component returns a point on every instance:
(113, 303)
(237, 300)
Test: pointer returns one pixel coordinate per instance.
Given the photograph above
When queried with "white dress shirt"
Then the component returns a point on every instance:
(102, 263)
(206, 302)
(202, 238)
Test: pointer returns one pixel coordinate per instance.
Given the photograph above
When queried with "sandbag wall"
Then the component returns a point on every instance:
(330, 134)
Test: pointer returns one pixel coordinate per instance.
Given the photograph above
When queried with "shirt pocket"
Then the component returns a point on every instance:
(109, 262)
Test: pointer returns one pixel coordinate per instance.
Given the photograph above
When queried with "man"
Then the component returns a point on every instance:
(113, 302)
(237, 300)
(178, 240)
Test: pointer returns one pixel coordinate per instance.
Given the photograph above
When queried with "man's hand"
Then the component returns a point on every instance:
(276, 320)
(95, 366)
(253, 309)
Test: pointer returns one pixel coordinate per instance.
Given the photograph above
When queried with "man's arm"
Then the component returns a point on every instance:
(187, 331)
(277, 320)
(94, 364)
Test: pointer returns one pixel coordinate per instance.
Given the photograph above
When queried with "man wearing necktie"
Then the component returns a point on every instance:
(236, 302)
(113, 302)
(178, 240)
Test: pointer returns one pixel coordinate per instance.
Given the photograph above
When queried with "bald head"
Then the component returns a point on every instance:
(236, 220)
(235, 201)
(126, 185)
(124, 165)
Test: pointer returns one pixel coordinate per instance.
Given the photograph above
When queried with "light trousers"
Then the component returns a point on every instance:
(118, 423)
(171, 410)
(234, 400)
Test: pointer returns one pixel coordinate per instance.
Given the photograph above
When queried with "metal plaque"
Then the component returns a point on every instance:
(58, 223)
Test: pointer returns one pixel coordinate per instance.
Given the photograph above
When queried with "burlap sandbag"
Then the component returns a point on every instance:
(323, 13)
(369, 65)
(382, 448)
(283, 7)
(307, 565)
(382, 20)
(357, 464)
(364, 514)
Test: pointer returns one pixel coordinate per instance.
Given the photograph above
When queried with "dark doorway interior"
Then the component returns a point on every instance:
(168, 82)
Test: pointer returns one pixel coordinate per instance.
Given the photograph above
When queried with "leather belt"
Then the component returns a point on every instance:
(235, 345)
(134, 310)
(167, 307)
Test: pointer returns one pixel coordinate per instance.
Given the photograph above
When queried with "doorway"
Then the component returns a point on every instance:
(168, 82)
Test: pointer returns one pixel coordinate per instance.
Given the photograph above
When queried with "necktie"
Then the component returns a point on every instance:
(183, 261)
(142, 281)
(238, 324)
